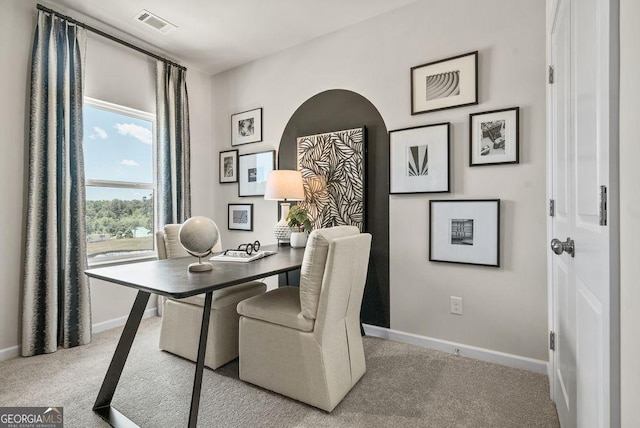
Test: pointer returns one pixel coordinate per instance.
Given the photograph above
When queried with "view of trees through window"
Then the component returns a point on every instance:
(118, 151)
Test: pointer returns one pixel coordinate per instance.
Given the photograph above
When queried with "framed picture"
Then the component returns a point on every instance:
(246, 127)
(465, 231)
(240, 217)
(419, 159)
(253, 170)
(493, 137)
(333, 175)
(448, 83)
(229, 166)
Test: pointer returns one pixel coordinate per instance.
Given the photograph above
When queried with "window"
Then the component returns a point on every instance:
(120, 181)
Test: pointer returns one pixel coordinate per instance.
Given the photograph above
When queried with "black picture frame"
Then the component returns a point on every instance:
(228, 167)
(499, 142)
(253, 170)
(240, 217)
(465, 231)
(448, 83)
(435, 140)
(246, 127)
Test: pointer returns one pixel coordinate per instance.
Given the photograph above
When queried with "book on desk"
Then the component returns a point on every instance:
(240, 256)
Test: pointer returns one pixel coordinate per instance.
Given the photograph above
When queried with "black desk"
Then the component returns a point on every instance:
(170, 278)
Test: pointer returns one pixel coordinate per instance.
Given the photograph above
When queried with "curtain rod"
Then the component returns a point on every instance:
(109, 36)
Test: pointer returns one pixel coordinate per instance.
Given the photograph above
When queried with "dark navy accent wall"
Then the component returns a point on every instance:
(335, 110)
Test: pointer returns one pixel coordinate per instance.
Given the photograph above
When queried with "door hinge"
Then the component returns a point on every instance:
(551, 74)
(552, 340)
(603, 205)
(552, 207)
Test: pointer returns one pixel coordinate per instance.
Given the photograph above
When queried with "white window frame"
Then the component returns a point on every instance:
(139, 114)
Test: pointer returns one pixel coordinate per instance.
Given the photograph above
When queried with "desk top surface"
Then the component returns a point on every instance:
(171, 277)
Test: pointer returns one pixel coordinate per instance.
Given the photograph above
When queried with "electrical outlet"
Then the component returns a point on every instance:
(456, 305)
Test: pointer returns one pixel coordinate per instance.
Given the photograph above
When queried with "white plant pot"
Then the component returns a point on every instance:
(298, 239)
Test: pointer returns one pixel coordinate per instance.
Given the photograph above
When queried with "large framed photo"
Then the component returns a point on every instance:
(443, 84)
(240, 217)
(253, 170)
(419, 159)
(246, 127)
(465, 231)
(333, 175)
(229, 166)
(493, 137)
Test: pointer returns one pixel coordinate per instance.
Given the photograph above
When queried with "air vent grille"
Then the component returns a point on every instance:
(154, 21)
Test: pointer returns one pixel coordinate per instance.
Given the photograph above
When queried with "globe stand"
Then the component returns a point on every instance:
(200, 266)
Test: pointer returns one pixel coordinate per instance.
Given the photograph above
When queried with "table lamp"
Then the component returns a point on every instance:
(284, 185)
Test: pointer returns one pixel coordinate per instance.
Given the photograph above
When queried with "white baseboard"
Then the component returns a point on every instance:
(117, 322)
(510, 360)
(9, 353)
(14, 351)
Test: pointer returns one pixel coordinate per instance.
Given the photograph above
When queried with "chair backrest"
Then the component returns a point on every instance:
(168, 242)
(344, 278)
(313, 266)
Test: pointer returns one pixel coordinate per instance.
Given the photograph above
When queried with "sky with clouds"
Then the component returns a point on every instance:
(119, 148)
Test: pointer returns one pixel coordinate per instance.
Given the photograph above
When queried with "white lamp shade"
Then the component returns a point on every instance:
(283, 184)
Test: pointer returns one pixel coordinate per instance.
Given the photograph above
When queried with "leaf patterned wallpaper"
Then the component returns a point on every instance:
(333, 174)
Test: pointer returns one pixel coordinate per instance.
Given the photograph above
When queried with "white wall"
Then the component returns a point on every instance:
(16, 28)
(505, 309)
(629, 211)
(114, 73)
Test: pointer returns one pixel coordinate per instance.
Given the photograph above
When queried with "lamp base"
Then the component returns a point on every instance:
(281, 230)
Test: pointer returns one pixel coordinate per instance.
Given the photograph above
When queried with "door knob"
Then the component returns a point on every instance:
(558, 247)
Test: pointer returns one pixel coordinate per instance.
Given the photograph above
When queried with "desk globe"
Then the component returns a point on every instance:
(198, 235)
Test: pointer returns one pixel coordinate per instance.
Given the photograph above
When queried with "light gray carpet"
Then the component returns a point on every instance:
(405, 386)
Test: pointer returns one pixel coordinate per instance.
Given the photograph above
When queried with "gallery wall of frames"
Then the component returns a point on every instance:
(333, 163)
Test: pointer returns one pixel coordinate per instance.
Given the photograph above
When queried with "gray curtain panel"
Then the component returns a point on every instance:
(173, 147)
(56, 307)
(172, 111)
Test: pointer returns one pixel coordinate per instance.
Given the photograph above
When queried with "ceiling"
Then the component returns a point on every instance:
(216, 35)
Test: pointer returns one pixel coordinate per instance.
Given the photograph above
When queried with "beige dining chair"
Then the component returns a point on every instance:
(182, 319)
(305, 342)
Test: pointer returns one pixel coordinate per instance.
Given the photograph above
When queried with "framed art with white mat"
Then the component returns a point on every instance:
(253, 170)
(493, 137)
(246, 127)
(240, 217)
(465, 231)
(229, 166)
(419, 159)
(444, 84)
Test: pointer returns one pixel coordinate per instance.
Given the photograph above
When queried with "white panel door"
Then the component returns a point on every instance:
(579, 132)
(563, 275)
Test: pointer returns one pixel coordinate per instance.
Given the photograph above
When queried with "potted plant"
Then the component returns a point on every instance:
(298, 220)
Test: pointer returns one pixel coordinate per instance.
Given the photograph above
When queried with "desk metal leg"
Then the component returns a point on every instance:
(102, 405)
(202, 350)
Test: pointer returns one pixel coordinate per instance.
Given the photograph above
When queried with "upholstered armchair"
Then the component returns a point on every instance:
(305, 342)
(181, 319)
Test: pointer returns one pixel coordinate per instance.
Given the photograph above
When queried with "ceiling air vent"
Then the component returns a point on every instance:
(154, 21)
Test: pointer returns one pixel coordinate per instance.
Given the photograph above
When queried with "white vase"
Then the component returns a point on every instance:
(298, 239)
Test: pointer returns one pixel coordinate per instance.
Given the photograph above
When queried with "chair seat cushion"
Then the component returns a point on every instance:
(228, 296)
(280, 306)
